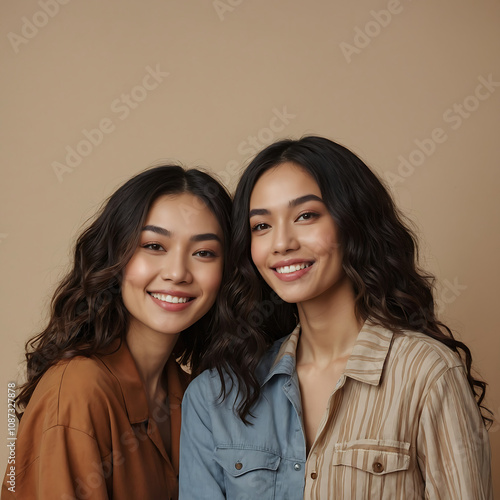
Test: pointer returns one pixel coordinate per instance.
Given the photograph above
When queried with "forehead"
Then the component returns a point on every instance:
(183, 213)
(278, 185)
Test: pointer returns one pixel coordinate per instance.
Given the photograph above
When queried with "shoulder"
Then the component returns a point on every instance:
(206, 387)
(72, 393)
(69, 408)
(72, 405)
(416, 358)
(87, 377)
(418, 345)
(76, 375)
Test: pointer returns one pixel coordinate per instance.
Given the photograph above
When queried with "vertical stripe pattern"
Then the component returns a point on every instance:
(402, 423)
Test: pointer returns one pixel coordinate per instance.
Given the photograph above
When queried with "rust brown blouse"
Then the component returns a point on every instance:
(87, 434)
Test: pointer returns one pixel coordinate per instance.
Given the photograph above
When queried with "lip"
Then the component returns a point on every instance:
(291, 262)
(176, 293)
(168, 306)
(296, 274)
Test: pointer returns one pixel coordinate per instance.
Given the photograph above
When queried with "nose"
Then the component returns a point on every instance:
(175, 267)
(284, 239)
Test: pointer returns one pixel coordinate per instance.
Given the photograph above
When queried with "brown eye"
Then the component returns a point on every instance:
(153, 246)
(307, 216)
(260, 227)
(205, 254)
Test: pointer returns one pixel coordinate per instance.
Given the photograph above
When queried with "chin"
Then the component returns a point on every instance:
(291, 298)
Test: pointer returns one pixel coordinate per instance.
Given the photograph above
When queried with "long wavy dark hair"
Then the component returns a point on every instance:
(379, 257)
(87, 311)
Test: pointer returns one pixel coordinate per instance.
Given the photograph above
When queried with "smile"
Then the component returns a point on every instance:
(292, 268)
(171, 299)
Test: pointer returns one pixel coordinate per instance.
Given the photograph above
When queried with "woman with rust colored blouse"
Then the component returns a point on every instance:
(100, 411)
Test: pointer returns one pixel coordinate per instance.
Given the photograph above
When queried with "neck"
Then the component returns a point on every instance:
(329, 326)
(150, 352)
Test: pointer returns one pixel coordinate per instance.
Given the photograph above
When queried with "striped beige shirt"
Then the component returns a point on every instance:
(401, 424)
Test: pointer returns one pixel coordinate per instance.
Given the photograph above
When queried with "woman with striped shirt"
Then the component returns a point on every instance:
(369, 396)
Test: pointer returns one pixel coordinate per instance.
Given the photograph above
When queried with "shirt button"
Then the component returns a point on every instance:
(238, 465)
(297, 466)
(314, 475)
(378, 467)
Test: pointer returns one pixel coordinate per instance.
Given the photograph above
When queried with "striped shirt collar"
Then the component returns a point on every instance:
(365, 363)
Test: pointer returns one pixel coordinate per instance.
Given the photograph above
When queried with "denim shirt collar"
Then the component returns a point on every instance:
(365, 363)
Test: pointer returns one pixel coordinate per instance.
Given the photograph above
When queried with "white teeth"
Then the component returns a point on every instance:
(169, 298)
(292, 268)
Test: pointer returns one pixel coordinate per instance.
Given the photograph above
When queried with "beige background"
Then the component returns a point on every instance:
(233, 66)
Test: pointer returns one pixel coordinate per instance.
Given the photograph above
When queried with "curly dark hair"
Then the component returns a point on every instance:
(379, 257)
(87, 311)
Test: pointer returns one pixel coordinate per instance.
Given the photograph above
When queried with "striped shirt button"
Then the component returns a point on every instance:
(314, 475)
(378, 467)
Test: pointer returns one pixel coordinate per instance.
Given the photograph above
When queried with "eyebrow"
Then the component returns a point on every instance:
(158, 230)
(292, 203)
(195, 237)
(303, 199)
(205, 237)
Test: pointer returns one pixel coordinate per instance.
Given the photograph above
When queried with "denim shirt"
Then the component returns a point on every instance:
(221, 457)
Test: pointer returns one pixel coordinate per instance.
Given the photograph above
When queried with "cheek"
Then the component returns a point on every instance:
(258, 253)
(324, 242)
(127, 292)
(138, 268)
(210, 277)
(136, 275)
(129, 275)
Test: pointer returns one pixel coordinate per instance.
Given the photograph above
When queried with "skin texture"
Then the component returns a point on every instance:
(180, 253)
(305, 233)
(291, 224)
(174, 264)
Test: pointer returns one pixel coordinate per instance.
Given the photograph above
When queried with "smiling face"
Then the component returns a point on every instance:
(173, 277)
(294, 242)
